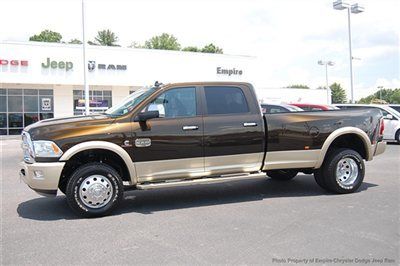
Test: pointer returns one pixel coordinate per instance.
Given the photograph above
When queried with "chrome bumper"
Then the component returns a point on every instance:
(42, 177)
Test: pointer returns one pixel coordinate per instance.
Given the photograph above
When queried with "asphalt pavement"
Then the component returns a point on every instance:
(255, 221)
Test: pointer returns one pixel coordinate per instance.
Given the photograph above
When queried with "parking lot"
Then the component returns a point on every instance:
(255, 221)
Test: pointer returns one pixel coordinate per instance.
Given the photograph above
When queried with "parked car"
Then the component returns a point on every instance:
(395, 107)
(314, 107)
(193, 133)
(267, 108)
(391, 119)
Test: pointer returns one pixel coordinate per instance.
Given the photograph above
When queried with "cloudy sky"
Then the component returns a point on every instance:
(287, 36)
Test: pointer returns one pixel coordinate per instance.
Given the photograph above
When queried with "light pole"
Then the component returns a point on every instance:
(326, 64)
(355, 9)
(85, 67)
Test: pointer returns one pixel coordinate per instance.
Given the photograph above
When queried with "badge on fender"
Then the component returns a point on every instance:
(146, 142)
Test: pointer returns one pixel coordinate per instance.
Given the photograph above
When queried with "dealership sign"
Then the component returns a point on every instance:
(92, 66)
(63, 65)
(229, 71)
(13, 62)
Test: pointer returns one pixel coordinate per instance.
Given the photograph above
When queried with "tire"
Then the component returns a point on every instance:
(397, 136)
(94, 190)
(342, 171)
(319, 178)
(282, 175)
(63, 187)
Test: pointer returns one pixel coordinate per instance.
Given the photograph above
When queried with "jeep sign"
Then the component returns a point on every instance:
(60, 65)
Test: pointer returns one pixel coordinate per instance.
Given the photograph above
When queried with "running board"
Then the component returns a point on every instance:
(206, 180)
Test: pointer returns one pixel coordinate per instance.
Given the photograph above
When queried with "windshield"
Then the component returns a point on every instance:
(131, 101)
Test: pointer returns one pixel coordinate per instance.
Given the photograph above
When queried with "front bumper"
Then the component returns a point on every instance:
(380, 148)
(42, 177)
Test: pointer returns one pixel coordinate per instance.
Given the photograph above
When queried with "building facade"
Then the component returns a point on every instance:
(45, 80)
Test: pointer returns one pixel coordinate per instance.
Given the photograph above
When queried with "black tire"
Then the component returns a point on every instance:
(348, 159)
(282, 175)
(397, 136)
(319, 178)
(109, 184)
(63, 186)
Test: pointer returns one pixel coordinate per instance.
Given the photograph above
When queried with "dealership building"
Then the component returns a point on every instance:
(45, 80)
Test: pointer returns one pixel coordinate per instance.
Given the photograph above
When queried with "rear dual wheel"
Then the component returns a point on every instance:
(342, 171)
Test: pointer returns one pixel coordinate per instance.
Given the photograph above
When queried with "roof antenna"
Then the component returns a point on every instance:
(157, 84)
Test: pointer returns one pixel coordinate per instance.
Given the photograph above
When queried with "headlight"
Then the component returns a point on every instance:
(46, 148)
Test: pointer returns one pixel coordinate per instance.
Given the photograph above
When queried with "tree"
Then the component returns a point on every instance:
(338, 93)
(298, 86)
(135, 45)
(106, 38)
(164, 41)
(75, 41)
(46, 36)
(212, 49)
(191, 49)
(383, 95)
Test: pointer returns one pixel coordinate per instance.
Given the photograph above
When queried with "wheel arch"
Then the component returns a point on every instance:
(103, 145)
(342, 133)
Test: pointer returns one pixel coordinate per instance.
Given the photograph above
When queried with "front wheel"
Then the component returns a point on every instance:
(94, 190)
(282, 175)
(342, 172)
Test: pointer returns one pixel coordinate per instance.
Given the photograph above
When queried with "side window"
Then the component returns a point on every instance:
(277, 109)
(179, 102)
(225, 100)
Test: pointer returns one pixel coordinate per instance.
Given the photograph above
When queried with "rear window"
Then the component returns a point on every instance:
(225, 100)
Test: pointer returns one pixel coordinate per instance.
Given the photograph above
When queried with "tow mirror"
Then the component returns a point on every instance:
(143, 117)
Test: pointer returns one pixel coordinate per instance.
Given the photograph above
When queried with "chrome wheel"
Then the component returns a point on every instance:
(346, 172)
(95, 191)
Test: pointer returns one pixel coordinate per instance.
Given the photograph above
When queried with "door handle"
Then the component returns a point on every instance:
(250, 124)
(190, 128)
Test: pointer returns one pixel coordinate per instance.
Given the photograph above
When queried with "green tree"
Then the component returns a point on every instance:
(75, 41)
(383, 95)
(164, 41)
(46, 36)
(298, 86)
(191, 49)
(135, 45)
(106, 38)
(212, 49)
(338, 93)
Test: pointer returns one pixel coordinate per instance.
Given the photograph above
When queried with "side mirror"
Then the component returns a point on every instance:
(143, 117)
(389, 117)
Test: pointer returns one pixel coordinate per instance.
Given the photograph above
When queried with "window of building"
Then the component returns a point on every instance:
(22, 107)
(99, 101)
(225, 100)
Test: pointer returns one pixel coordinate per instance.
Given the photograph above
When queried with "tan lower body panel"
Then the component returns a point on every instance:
(197, 167)
(240, 163)
(291, 159)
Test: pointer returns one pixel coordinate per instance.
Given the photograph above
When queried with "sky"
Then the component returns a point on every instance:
(288, 36)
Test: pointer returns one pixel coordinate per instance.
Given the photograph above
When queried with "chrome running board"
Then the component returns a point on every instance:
(205, 180)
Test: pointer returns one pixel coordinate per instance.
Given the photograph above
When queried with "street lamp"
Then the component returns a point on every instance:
(355, 9)
(326, 64)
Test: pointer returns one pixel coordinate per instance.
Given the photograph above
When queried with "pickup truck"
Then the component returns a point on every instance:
(193, 133)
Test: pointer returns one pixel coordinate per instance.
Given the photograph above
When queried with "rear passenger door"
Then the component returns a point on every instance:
(233, 130)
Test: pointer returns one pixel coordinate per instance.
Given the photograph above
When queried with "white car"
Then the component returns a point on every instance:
(391, 119)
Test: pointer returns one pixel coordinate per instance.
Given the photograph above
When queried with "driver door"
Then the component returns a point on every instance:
(174, 141)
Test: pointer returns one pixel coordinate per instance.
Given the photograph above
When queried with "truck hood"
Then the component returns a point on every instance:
(60, 128)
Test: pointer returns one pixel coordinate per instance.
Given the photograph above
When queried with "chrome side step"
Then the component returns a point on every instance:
(206, 180)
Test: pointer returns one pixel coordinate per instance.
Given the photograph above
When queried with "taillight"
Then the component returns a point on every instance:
(381, 128)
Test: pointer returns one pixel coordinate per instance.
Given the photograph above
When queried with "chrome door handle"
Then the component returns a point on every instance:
(190, 128)
(250, 124)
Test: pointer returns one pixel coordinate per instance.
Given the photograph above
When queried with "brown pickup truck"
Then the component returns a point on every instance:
(193, 133)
